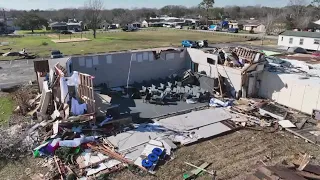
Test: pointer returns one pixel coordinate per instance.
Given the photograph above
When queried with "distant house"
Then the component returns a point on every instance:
(257, 28)
(71, 25)
(144, 24)
(303, 39)
(136, 24)
(58, 26)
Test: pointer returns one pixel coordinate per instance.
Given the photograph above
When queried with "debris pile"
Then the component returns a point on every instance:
(299, 169)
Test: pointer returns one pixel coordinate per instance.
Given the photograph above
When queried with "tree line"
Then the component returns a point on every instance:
(297, 14)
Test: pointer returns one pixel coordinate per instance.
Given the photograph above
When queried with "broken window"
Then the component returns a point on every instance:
(156, 55)
(145, 56)
(89, 63)
(210, 61)
(301, 41)
(290, 40)
(151, 56)
(109, 59)
(134, 57)
(82, 61)
(96, 60)
(140, 57)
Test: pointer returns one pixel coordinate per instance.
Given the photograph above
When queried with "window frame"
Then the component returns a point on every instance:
(291, 40)
(300, 41)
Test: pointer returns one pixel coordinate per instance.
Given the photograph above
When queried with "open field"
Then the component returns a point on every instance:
(105, 42)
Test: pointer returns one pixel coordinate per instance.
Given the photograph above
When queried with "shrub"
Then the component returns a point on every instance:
(44, 43)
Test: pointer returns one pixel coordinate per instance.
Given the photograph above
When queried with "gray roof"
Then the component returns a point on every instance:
(301, 34)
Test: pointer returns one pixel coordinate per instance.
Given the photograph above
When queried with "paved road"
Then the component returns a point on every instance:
(234, 34)
(16, 72)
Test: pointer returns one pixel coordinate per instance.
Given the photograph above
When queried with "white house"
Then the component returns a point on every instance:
(144, 24)
(303, 39)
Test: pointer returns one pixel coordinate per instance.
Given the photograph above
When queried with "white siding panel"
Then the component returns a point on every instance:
(297, 96)
(310, 99)
(285, 94)
(318, 102)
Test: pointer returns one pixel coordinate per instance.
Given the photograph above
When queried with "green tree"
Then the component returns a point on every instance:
(31, 21)
(206, 5)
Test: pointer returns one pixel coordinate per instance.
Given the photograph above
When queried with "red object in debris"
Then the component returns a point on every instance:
(316, 53)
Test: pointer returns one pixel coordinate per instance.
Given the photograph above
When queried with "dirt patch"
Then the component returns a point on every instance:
(70, 40)
(53, 36)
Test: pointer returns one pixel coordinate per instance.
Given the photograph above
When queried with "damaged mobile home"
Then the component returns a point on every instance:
(133, 107)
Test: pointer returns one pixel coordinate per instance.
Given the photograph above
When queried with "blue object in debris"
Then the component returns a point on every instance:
(147, 163)
(157, 151)
(152, 157)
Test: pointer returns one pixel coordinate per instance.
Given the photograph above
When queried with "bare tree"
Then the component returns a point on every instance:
(303, 21)
(297, 7)
(93, 14)
(206, 4)
(269, 22)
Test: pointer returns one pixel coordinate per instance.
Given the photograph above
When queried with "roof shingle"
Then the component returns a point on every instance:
(301, 34)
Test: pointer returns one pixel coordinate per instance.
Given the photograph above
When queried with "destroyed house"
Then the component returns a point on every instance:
(236, 72)
(127, 106)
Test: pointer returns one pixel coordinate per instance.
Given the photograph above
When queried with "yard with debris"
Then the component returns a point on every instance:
(233, 156)
(162, 113)
(106, 42)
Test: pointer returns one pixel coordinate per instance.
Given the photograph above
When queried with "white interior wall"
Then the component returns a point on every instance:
(233, 75)
(112, 69)
(289, 90)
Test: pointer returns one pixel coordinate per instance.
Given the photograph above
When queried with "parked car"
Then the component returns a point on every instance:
(66, 32)
(56, 54)
(188, 43)
(202, 43)
(233, 30)
(203, 27)
(178, 27)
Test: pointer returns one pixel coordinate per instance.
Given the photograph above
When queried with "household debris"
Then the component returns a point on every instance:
(298, 169)
(86, 140)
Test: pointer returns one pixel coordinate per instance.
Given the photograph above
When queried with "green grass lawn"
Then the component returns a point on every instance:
(105, 42)
(35, 31)
(6, 108)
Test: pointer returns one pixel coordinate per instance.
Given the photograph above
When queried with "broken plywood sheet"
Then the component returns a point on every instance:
(45, 98)
(203, 133)
(87, 158)
(195, 119)
(141, 135)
